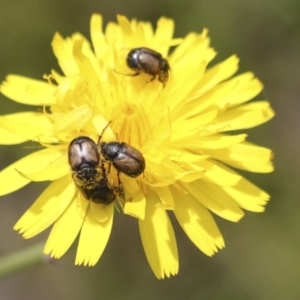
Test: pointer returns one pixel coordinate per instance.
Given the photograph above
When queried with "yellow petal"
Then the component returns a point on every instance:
(164, 32)
(217, 74)
(165, 197)
(126, 29)
(215, 199)
(8, 138)
(159, 240)
(193, 45)
(94, 237)
(50, 205)
(27, 125)
(63, 51)
(192, 124)
(87, 64)
(200, 102)
(216, 141)
(35, 162)
(135, 205)
(66, 228)
(197, 223)
(245, 156)
(113, 33)
(169, 172)
(181, 86)
(28, 91)
(73, 120)
(181, 155)
(202, 118)
(219, 141)
(243, 117)
(246, 88)
(56, 169)
(248, 196)
(97, 35)
(218, 174)
(99, 212)
(195, 172)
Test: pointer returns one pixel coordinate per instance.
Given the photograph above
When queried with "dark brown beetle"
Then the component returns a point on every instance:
(145, 60)
(125, 158)
(87, 173)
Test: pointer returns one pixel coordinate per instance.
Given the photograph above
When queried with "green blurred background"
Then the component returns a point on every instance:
(261, 259)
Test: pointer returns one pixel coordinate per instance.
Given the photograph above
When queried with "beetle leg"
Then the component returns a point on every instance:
(135, 74)
(103, 169)
(119, 180)
(126, 74)
(163, 78)
(153, 77)
(109, 165)
(120, 191)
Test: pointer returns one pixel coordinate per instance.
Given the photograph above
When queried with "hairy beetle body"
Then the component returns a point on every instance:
(87, 173)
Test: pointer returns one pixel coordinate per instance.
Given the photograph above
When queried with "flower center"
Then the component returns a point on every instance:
(131, 124)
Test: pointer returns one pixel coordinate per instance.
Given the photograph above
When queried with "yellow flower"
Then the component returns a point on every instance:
(186, 131)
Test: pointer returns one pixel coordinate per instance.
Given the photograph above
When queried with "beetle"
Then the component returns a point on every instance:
(145, 60)
(88, 173)
(125, 158)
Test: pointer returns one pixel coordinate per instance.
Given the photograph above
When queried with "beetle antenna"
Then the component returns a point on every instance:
(100, 136)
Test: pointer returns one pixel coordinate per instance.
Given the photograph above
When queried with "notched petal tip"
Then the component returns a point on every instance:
(90, 249)
(123, 21)
(85, 262)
